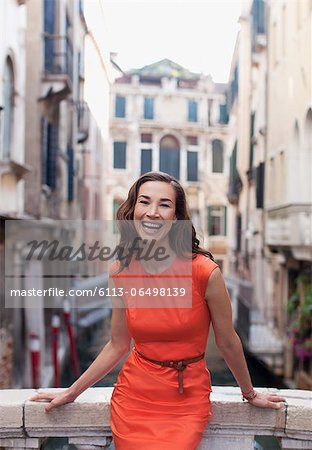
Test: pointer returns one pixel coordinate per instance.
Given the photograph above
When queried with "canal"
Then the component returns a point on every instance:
(92, 341)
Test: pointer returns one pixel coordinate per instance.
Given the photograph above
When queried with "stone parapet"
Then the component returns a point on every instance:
(234, 423)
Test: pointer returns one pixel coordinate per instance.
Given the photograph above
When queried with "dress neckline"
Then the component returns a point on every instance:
(158, 273)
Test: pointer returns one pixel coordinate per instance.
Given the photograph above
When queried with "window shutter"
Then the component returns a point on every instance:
(260, 185)
(49, 145)
(251, 150)
(192, 166)
(146, 160)
(225, 220)
(209, 209)
(44, 150)
(52, 154)
(120, 154)
(70, 174)
(238, 232)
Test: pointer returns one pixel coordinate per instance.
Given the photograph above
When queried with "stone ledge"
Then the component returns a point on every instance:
(88, 416)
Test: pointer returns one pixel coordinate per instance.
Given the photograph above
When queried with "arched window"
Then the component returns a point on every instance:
(169, 156)
(217, 156)
(8, 108)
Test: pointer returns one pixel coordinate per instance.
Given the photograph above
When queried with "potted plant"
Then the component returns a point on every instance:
(299, 311)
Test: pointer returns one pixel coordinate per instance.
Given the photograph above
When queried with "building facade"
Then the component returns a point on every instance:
(53, 136)
(288, 197)
(165, 118)
(270, 184)
(12, 154)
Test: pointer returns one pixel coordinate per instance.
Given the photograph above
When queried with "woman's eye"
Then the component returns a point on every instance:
(166, 206)
(143, 201)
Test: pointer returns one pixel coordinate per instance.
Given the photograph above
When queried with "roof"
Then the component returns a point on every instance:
(165, 68)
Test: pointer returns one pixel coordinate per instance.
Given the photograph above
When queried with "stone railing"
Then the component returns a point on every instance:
(234, 424)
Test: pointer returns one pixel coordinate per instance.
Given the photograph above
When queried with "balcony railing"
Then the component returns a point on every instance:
(58, 55)
(85, 422)
(290, 225)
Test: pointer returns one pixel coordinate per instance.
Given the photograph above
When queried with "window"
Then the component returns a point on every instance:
(169, 156)
(49, 146)
(209, 111)
(120, 148)
(146, 160)
(120, 106)
(148, 108)
(116, 204)
(195, 217)
(8, 108)
(258, 20)
(217, 156)
(192, 111)
(220, 264)
(217, 220)
(192, 166)
(49, 26)
(223, 115)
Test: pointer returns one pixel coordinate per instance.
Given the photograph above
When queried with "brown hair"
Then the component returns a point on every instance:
(178, 241)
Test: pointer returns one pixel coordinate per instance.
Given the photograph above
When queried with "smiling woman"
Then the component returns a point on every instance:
(162, 396)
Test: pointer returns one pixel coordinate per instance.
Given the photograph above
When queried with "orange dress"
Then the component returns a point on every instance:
(147, 410)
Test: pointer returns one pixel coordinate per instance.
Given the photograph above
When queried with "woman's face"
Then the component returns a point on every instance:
(154, 210)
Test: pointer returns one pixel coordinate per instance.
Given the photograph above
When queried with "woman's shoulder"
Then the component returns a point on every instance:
(202, 267)
(203, 261)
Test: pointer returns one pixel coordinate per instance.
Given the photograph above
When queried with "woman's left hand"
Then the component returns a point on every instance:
(267, 400)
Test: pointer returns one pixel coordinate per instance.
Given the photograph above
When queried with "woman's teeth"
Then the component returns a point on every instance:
(151, 226)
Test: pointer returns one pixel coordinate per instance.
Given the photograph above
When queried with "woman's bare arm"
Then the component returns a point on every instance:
(108, 358)
(228, 341)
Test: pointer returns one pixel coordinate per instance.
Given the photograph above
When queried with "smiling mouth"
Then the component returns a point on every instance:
(151, 226)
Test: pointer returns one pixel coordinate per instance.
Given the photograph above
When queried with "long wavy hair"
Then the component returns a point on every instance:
(178, 237)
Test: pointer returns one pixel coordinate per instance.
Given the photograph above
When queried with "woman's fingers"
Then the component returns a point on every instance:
(50, 406)
(42, 396)
(276, 398)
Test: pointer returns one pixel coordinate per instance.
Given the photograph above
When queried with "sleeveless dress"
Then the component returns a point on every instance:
(147, 411)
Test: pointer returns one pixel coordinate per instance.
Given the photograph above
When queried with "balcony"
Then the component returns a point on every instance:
(291, 226)
(234, 424)
(58, 66)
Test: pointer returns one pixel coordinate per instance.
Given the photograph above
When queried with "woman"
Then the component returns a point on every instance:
(162, 396)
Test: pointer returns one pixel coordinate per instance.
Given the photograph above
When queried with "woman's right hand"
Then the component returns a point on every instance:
(55, 399)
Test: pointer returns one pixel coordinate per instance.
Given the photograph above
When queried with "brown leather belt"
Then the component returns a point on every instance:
(174, 364)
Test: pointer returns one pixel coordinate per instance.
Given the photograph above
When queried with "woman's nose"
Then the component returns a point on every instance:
(152, 211)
